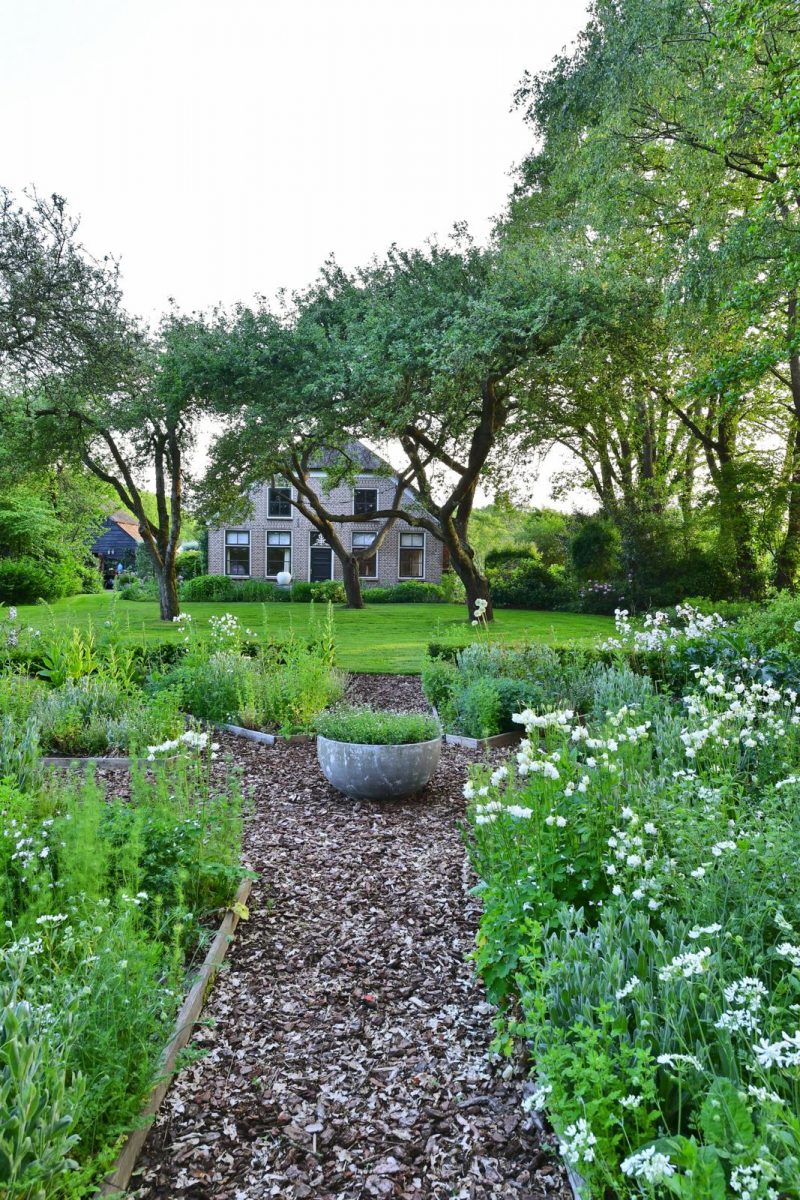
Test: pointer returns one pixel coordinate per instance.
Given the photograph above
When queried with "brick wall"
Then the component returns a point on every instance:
(338, 499)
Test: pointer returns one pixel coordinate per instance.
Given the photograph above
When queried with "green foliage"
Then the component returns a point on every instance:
(101, 903)
(484, 707)
(189, 564)
(371, 727)
(24, 581)
(775, 625)
(281, 686)
(519, 579)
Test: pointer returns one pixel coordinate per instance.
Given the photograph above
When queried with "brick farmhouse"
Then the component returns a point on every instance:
(277, 538)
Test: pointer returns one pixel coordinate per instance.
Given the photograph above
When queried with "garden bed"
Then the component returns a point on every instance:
(117, 1180)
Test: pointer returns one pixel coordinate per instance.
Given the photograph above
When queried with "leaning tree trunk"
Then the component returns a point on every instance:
(476, 585)
(351, 578)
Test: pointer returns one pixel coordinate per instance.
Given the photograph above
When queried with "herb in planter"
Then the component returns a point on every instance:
(368, 727)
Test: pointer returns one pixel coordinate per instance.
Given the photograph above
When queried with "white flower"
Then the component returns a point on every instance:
(699, 930)
(686, 965)
(783, 1053)
(649, 1164)
(787, 950)
(537, 1099)
(578, 1142)
(677, 1060)
(627, 988)
(632, 1101)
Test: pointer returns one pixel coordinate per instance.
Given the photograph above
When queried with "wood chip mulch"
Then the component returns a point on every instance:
(345, 1044)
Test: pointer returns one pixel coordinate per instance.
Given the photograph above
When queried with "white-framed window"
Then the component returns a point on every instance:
(279, 552)
(411, 563)
(237, 552)
(279, 501)
(368, 566)
(365, 501)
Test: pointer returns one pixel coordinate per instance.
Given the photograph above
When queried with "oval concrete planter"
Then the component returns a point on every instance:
(378, 772)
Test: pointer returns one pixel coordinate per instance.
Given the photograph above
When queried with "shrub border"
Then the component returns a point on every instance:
(116, 1182)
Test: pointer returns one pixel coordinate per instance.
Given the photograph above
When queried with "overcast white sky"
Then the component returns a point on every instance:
(223, 150)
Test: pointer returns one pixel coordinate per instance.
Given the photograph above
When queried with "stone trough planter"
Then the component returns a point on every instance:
(378, 772)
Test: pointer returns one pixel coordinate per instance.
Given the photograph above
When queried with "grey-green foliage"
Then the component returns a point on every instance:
(35, 1102)
(613, 687)
(20, 757)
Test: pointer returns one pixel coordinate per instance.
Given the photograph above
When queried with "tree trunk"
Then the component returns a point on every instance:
(735, 534)
(167, 590)
(475, 584)
(351, 577)
(789, 553)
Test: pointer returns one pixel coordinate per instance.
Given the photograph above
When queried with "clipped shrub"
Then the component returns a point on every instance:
(330, 591)
(446, 650)
(301, 592)
(208, 588)
(411, 592)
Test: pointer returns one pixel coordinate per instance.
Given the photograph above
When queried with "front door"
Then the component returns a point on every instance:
(321, 559)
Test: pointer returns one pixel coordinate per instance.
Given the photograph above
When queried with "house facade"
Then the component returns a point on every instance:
(276, 538)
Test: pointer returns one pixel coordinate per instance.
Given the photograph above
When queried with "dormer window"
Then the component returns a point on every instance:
(365, 501)
(279, 502)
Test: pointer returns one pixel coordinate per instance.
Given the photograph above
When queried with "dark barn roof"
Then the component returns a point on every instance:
(120, 536)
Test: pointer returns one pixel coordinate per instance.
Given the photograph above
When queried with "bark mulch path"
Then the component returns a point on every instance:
(345, 1043)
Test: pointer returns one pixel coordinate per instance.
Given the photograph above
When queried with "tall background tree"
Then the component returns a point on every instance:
(90, 378)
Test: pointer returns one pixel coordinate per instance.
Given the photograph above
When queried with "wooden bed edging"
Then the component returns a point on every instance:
(266, 739)
(488, 743)
(116, 1183)
(577, 1185)
(103, 763)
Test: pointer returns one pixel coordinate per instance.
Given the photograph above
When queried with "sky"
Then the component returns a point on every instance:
(223, 150)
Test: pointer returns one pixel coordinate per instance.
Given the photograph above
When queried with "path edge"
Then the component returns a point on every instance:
(116, 1182)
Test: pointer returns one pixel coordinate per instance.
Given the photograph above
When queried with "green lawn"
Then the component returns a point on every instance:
(380, 637)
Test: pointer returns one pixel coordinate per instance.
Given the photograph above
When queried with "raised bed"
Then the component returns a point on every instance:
(116, 1182)
(496, 741)
(265, 739)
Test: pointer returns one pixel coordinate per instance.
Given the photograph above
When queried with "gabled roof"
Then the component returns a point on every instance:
(128, 522)
(361, 454)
